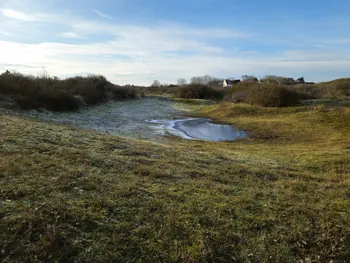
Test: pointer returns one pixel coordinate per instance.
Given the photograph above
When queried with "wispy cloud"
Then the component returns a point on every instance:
(101, 14)
(315, 55)
(139, 53)
(4, 33)
(10, 13)
(165, 29)
(64, 60)
(71, 35)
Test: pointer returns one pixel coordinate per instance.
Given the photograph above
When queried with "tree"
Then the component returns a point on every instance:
(156, 83)
(206, 80)
(195, 80)
(201, 79)
(215, 82)
(181, 82)
(249, 78)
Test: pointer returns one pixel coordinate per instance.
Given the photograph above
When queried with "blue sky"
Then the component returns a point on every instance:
(138, 41)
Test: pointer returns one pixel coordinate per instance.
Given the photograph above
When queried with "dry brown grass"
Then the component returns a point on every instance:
(281, 195)
(277, 95)
(265, 94)
(336, 89)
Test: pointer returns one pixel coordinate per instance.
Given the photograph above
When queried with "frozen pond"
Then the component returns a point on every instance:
(133, 118)
(198, 128)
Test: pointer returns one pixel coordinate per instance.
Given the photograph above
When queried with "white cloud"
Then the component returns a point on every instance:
(4, 33)
(101, 14)
(162, 29)
(10, 13)
(70, 35)
(315, 55)
(67, 60)
(140, 54)
(141, 41)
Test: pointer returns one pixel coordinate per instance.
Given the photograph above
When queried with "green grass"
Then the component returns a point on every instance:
(282, 195)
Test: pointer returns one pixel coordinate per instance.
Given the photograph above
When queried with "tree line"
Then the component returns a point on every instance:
(214, 81)
(205, 80)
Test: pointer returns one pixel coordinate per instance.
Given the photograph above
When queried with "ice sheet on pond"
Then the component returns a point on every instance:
(198, 128)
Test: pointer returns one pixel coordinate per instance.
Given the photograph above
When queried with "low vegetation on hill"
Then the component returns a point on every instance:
(73, 93)
(335, 89)
(262, 94)
(271, 91)
(54, 94)
(278, 92)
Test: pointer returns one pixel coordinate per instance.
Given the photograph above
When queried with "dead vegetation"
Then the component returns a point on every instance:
(281, 195)
(28, 92)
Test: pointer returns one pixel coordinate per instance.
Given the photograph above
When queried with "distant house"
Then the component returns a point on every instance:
(230, 82)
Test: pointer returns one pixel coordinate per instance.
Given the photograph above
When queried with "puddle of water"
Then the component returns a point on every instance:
(199, 129)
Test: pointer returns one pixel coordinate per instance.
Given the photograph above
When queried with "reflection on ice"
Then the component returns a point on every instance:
(198, 128)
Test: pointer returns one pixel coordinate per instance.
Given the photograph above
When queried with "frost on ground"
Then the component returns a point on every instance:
(126, 118)
(146, 118)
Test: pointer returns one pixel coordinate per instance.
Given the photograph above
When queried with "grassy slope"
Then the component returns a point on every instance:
(279, 196)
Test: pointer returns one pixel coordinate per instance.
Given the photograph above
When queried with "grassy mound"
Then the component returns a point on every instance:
(281, 195)
(277, 95)
(336, 89)
(59, 95)
(265, 94)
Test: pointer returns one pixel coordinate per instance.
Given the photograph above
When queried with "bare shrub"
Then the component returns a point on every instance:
(54, 94)
(265, 94)
(200, 91)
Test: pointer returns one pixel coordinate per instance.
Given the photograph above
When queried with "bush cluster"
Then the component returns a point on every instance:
(54, 94)
(200, 91)
(267, 95)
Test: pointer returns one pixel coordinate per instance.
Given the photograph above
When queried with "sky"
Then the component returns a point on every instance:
(138, 41)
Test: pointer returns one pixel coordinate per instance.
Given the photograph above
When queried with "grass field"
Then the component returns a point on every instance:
(281, 195)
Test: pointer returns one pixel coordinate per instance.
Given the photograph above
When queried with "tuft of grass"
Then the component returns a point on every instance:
(54, 94)
(281, 195)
